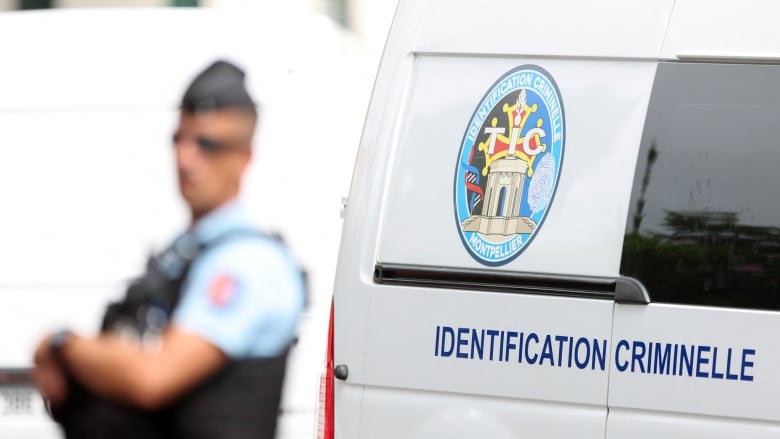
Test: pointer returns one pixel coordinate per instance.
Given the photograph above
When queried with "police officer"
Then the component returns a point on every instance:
(217, 367)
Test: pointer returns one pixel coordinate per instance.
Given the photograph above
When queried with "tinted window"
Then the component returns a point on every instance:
(704, 219)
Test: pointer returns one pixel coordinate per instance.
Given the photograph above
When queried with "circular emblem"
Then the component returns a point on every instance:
(509, 164)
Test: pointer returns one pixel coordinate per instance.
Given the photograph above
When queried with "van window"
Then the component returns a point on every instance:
(704, 220)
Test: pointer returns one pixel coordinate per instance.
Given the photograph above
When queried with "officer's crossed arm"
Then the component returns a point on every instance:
(126, 372)
(233, 307)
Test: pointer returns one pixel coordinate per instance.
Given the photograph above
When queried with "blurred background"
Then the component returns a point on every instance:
(89, 92)
(367, 20)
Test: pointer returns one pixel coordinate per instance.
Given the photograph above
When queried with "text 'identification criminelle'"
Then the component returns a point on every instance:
(570, 351)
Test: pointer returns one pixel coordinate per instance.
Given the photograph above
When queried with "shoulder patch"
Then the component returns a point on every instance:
(222, 290)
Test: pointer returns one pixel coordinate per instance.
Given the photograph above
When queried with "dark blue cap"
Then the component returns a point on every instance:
(219, 86)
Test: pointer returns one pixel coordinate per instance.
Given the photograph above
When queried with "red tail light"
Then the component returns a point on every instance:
(325, 402)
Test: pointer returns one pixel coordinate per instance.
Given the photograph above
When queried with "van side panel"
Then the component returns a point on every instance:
(430, 415)
(519, 346)
(440, 362)
(435, 344)
(644, 424)
(356, 254)
(702, 360)
(680, 361)
(600, 29)
(418, 225)
(459, 364)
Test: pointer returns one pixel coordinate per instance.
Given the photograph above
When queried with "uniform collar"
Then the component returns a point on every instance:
(225, 218)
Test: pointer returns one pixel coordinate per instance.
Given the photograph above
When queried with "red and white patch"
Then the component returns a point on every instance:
(222, 290)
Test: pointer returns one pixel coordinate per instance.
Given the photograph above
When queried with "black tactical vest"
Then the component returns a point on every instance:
(239, 401)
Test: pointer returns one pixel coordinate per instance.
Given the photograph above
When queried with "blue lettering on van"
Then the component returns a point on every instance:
(661, 358)
(547, 352)
(747, 364)
(715, 373)
(503, 346)
(492, 333)
(621, 346)
(447, 343)
(462, 341)
(702, 360)
(684, 360)
(584, 353)
(531, 359)
(636, 357)
(510, 346)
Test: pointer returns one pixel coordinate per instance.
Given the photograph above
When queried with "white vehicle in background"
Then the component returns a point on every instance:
(563, 223)
(88, 102)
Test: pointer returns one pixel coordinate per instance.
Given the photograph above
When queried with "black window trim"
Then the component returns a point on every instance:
(622, 289)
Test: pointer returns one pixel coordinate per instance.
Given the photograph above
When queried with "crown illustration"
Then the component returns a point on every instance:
(506, 141)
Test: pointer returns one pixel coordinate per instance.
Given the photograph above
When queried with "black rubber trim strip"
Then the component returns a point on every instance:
(623, 290)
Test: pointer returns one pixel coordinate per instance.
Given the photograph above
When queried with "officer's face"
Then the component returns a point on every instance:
(212, 152)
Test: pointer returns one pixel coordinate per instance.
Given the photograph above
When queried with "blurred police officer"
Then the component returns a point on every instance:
(216, 367)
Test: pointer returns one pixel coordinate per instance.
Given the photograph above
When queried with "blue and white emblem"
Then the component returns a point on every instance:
(509, 164)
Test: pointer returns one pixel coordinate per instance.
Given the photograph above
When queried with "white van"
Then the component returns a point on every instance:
(88, 104)
(564, 223)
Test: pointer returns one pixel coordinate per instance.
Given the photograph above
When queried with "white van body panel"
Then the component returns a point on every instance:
(412, 344)
(742, 387)
(355, 266)
(733, 389)
(440, 61)
(386, 335)
(401, 365)
(445, 92)
(644, 424)
(458, 416)
(558, 28)
(722, 30)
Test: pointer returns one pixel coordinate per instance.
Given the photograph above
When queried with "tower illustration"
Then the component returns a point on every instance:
(503, 193)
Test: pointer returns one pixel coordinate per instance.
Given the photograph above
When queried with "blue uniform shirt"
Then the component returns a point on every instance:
(244, 295)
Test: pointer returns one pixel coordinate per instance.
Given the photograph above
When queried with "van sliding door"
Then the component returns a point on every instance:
(497, 322)
(703, 236)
